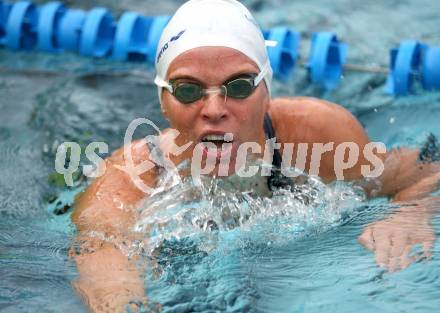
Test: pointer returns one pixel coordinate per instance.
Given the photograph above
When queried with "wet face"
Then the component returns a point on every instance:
(210, 117)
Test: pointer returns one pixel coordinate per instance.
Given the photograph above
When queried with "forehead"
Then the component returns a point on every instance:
(211, 64)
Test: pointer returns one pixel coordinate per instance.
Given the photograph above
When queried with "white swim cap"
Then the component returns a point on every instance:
(212, 23)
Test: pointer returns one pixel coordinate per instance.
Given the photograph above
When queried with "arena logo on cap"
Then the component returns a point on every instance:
(165, 46)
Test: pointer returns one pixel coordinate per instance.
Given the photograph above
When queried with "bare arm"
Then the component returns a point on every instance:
(311, 121)
(393, 238)
(108, 279)
(405, 178)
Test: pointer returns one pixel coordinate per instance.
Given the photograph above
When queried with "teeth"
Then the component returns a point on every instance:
(228, 137)
(213, 137)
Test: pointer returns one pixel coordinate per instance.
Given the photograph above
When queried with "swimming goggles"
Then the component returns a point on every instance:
(238, 88)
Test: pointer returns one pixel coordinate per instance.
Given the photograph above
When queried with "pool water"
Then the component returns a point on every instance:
(288, 257)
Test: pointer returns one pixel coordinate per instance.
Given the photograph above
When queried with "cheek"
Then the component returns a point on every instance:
(252, 110)
(181, 117)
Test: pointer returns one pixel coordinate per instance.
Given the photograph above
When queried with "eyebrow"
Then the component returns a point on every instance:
(232, 76)
(188, 77)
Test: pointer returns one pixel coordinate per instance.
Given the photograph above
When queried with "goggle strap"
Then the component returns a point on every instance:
(164, 84)
(261, 75)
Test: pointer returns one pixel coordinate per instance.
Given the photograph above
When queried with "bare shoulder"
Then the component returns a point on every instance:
(306, 119)
(317, 122)
(108, 202)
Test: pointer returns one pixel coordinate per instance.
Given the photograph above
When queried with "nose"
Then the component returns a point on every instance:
(214, 109)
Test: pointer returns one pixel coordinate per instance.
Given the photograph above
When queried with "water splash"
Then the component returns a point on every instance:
(184, 209)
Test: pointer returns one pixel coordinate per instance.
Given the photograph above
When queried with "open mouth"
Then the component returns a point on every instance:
(222, 142)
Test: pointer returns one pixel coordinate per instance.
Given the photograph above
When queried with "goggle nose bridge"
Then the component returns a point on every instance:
(216, 90)
(222, 90)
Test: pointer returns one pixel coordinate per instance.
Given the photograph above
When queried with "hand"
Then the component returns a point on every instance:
(393, 239)
(137, 306)
(111, 298)
(109, 281)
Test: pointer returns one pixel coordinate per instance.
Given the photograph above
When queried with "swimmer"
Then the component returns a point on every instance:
(214, 78)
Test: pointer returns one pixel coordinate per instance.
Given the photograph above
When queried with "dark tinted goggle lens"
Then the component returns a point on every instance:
(240, 88)
(188, 92)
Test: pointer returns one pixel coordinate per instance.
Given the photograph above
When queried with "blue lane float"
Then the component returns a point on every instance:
(5, 8)
(71, 29)
(327, 58)
(21, 27)
(431, 69)
(131, 37)
(50, 16)
(154, 34)
(283, 56)
(98, 33)
(405, 65)
(54, 28)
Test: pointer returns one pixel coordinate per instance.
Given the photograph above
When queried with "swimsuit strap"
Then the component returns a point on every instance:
(270, 133)
(276, 179)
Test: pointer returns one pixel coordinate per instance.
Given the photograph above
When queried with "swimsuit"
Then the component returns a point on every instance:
(276, 180)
